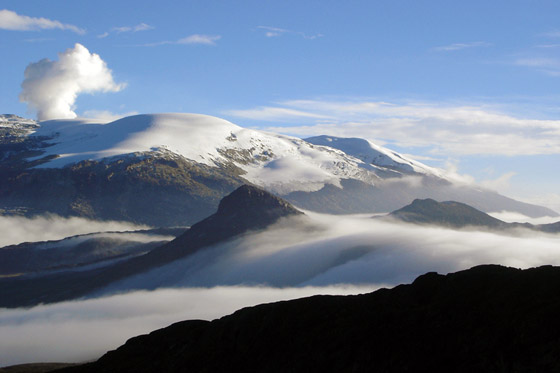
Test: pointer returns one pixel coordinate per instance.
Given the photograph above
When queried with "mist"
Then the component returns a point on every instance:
(295, 257)
(18, 229)
(84, 330)
(323, 250)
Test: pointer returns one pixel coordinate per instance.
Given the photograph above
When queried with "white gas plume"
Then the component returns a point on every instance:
(52, 87)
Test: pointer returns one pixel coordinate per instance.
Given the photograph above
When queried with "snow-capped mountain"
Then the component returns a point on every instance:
(172, 169)
(375, 155)
(280, 163)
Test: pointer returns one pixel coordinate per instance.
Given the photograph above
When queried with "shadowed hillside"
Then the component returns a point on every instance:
(488, 318)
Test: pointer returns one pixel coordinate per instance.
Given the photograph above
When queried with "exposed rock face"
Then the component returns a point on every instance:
(485, 319)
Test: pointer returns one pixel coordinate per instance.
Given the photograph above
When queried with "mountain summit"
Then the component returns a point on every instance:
(246, 208)
(449, 213)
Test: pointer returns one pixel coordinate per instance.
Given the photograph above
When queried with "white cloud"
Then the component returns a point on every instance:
(191, 39)
(84, 330)
(516, 217)
(459, 46)
(445, 129)
(271, 32)
(107, 116)
(502, 183)
(17, 229)
(325, 250)
(200, 39)
(139, 27)
(274, 114)
(52, 87)
(10, 20)
(119, 30)
(547, 65)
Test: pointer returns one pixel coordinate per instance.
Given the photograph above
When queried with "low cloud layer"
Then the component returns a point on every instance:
(15, 229)
(52, 87)
(298, 257)
(10, 20)
(328, 250)
(84, 330)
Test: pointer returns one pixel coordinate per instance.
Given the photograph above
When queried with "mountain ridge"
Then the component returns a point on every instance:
(486, 318)
(454, 214)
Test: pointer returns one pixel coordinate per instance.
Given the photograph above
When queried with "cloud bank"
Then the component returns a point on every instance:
(52, 87)
(17, 229)
(84, 330)
(317, 255)
(10, 20)
(328, 250)
(443, 129)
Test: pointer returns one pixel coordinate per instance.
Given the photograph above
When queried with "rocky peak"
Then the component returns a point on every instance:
(250, 200)
(247, 208)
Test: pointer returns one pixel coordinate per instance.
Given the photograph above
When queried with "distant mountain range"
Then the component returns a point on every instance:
(459, 215)
(173, 169)
(485, 319)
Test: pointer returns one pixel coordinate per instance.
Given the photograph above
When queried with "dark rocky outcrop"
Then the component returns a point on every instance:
(485, 319)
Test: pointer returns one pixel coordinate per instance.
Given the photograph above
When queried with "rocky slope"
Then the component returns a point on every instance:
(246, 209)
(486, 319)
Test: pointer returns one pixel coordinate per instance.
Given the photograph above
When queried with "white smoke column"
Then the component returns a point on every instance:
(51, 87)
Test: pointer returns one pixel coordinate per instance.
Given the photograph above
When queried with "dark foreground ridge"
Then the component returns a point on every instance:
(488, 318)
(248, 208)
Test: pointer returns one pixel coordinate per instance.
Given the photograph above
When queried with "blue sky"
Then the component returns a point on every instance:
(469, 86)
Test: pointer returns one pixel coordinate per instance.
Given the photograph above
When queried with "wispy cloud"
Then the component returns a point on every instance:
(191, 39)
(106, 115)
(459, 46)
(547, 65)
(18, 229)
(444, 129)
(118, 30)
(275, 114)
(272, 32)
(10, 20)
(552, 34)
(548, 46)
